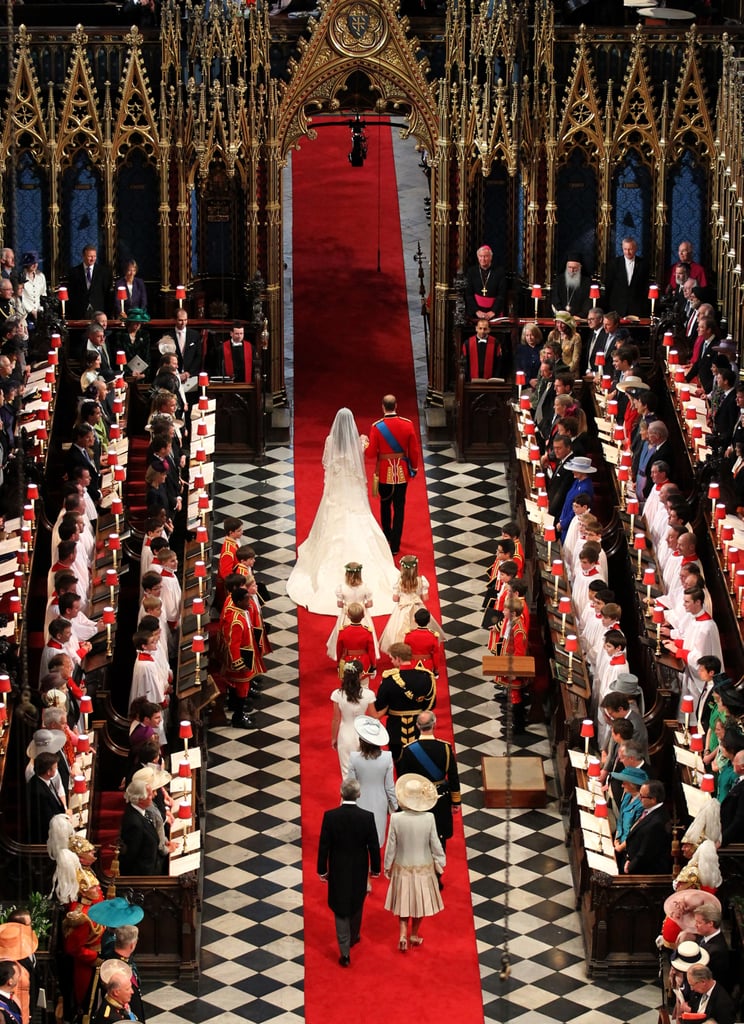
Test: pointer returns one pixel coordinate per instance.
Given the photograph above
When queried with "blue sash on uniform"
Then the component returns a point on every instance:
(395, 444)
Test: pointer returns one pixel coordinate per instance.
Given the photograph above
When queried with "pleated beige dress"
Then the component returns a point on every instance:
(413, 858)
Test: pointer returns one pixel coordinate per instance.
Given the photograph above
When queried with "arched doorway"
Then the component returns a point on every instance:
(359, 61)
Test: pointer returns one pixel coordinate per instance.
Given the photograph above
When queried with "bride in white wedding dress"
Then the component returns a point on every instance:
(344, 530)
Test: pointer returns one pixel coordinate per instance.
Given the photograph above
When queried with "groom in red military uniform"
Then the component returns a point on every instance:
(392, 443)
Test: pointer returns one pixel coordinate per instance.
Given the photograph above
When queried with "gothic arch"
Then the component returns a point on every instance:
(357, 36)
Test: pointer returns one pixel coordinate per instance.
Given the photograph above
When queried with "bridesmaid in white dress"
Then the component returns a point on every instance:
(352, 591)
(410, 593)
(350, 700)
(344, 529)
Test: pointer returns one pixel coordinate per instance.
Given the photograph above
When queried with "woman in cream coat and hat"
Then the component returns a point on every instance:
(413, 858)
(372, 767)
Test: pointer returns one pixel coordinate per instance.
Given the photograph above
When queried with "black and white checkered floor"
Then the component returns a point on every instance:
(252, 933)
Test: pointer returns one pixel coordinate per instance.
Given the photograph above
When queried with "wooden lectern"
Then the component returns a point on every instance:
(527, 787)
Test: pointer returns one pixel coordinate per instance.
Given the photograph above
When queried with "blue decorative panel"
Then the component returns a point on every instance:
(495, 206)
(137, 199)
(194, 233)
(576, 229)
(81, 208)
(632, 187)
(520, 226)
(31, 208)
(686, 205)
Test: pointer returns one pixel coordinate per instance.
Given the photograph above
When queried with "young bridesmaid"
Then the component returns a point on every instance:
(409, 593)
(352, 591)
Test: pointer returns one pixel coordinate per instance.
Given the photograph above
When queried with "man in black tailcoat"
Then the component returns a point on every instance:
(348, 852)
(649, 844)
(732, 807)
(627, 282)
(89, 286)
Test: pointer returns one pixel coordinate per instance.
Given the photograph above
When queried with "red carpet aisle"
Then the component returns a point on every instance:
(351, 347)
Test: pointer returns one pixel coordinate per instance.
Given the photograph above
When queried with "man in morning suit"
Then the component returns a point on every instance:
(595, 338)
(43, 797)
(710, 938)
(89, 286)
(188, 346)
(485, 287)
(140, 842)
(710, 996)
(403, 693)
(627, 282)
(732, 807)
(435, 760)
(80, 453)
(727, 414)
(393, 446)
(649, 844)
(562, 478)
(348, 852)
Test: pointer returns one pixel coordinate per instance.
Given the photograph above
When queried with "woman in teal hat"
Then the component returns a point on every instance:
(133, 339)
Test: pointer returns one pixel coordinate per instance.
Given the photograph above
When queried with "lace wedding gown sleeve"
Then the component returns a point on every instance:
(344, 530)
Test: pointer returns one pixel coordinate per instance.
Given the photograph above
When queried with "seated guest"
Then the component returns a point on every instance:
(482, 354)
(648, 848)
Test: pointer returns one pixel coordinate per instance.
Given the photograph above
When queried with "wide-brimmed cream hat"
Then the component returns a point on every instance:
(415, 793)
(632, 384)
(155, 777)
(371, 730)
